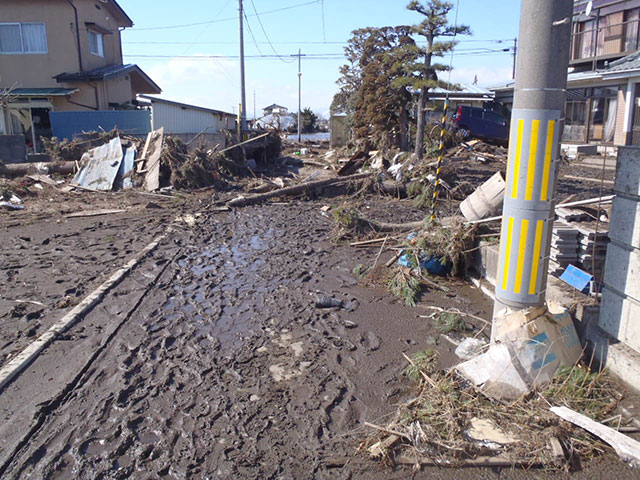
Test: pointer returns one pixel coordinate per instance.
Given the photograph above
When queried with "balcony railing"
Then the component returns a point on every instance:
(589, 42)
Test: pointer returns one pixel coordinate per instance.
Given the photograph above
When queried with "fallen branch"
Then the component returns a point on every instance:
(294, 190)
(245, 142)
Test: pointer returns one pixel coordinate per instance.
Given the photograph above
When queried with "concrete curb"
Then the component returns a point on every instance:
(24, 358)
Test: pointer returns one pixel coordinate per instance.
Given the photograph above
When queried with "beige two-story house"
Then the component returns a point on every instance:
(61, 55)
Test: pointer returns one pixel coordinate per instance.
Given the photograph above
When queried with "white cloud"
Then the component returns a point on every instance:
(214, 83)
(204, 82)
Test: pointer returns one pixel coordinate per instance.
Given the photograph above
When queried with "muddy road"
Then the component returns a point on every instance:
(212, 360)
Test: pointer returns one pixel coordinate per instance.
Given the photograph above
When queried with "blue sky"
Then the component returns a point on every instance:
(177, 58)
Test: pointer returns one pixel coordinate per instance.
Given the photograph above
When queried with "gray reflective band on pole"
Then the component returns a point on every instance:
(534, 143)
(528, 208)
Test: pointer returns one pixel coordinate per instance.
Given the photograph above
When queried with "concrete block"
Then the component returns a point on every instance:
(628, 171)
(620, 318)
(622, 270)
(587, 149)
(625, 222)
(13, 149)
(339, 130)
(619, 359)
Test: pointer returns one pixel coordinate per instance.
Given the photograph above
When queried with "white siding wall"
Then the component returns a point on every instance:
(176, 119)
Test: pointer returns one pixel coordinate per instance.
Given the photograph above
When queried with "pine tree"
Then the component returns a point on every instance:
(378, 106)
(421, 74)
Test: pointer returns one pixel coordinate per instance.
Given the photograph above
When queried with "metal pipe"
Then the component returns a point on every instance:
(534, 147)
(75, 11)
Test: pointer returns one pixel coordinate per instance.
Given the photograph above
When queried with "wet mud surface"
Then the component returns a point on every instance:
(50, 262)
(226, 368)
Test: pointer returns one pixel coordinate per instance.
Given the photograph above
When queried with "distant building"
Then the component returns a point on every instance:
(603, 101)
(275, 110)
(187, 121)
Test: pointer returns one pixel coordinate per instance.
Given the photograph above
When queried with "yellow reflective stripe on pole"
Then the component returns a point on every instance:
(544, 191)
(535, 261)
(505, 275)
(516, 164)
(522, 248)
(531, 165)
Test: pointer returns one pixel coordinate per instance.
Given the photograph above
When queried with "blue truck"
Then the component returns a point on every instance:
(482, 123)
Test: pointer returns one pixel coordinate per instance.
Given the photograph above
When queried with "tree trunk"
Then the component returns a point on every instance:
(404, 130)
(21, 169)
(422, 103)
(296, 189)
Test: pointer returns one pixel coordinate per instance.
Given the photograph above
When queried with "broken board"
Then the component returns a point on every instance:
(152, 178)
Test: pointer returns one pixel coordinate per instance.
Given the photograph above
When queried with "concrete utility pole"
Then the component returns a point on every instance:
(534, 146)
(515, 56)
(243, 96)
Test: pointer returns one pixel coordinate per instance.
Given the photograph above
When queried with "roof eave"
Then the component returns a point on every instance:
(125, 20)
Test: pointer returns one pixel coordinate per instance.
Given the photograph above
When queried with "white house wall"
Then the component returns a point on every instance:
(176, 119)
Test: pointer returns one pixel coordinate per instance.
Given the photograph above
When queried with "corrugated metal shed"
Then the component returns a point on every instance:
(181, 118)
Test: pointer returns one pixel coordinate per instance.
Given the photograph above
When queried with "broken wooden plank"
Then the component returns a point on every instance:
(38, 177)
(586, 179)
(627, 448)
(93, 213)
(152, 177)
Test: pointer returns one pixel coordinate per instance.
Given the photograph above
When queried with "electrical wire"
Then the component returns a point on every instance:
(267, 36)
(277, 43)
(324, 31)
(313, 56)
(251, 32)
(186, 25)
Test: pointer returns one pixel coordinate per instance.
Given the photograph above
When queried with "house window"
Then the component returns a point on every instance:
(96, 43)
(19, 38)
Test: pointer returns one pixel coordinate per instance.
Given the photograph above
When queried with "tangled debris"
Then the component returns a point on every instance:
(72, 150)
(448, 423)
(187, 170)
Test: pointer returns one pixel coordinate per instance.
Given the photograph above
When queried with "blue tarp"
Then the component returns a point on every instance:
(66, 125)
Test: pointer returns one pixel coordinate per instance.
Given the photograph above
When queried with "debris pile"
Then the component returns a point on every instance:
(106, 161)
(450, 424)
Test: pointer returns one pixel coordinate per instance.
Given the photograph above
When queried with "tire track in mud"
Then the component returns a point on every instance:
(56, 402)
(228, 370)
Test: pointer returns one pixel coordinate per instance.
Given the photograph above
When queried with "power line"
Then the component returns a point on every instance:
(232, 43)
(280, 43)
(267, 36)
(186, 25)
(251, 32)
(324, 31)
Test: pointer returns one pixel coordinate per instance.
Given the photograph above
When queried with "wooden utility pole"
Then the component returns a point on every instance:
(243, 96)
(299, 55)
